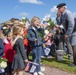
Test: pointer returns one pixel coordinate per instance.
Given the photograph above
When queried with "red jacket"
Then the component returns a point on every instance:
(8, 52)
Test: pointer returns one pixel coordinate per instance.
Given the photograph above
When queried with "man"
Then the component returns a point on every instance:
(67, 21)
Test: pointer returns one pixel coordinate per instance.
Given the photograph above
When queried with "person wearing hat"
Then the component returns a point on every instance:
(67, 21)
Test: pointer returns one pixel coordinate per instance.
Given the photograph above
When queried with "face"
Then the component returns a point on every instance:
(9, 36)
(16, 22)
(21, 32)
(37, 23)
(61, 9)
(58, 14)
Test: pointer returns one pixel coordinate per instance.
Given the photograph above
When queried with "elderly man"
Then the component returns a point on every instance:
(67, 21)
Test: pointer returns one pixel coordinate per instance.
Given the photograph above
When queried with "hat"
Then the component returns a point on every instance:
(61, 4)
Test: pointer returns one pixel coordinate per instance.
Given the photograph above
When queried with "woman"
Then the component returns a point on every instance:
(20, 57)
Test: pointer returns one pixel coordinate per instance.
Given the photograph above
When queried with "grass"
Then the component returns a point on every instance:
(62, 65)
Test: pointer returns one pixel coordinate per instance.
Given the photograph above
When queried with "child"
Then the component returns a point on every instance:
(20, 57)
(8, 53)
(48, 43)
(35, 43)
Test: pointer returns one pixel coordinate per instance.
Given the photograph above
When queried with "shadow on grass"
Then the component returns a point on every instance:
(64, 61)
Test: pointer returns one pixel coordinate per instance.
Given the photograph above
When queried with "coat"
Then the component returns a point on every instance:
(32, 35)
(8, 51)
(67, 20)
(1, 48)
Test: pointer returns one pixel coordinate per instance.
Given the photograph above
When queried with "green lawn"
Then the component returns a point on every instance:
(63, 65)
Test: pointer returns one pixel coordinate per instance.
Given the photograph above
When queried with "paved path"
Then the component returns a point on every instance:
(53, 71)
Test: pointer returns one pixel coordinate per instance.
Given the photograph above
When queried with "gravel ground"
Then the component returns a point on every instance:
(53, 71)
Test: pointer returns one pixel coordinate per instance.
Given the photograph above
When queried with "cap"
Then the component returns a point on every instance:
(61, 4)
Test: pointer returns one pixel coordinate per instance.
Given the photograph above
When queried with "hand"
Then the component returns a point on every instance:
(35, 39)
(57, 26)
(65, 36)
(26, 60)
(3, 54)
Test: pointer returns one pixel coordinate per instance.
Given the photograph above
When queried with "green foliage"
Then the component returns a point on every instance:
(51, 23)
(2, 59)
(24, 20)
(41, 34)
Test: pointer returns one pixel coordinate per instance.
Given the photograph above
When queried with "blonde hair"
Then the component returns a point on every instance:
(16, 30)
(34, 19)
(1, 35)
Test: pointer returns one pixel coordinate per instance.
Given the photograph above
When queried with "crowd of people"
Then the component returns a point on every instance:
(17, 40)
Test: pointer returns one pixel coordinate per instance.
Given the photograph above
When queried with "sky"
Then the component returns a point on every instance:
(30, 8)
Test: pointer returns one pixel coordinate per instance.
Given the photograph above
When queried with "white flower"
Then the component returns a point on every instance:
(3, 64)
(46, 32)
(48, 24)
(4, 27)
(23, 17)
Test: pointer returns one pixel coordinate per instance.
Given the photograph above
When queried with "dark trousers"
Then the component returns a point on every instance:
(8, 69)
(74, 54)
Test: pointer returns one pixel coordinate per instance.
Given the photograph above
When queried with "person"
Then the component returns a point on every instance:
(67, 21)
(59, 33)
(20, 57)
(1, 44)
(58, 18)
(48, 43)
(16, 22)
(8, 50)
(35, 43)
(25, 40)
(8, 25)
(73, 41)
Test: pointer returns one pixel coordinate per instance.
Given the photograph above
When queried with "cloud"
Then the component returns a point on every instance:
(74, 14)
(31, 1)
(54, 9)
(18, 7)
(15, 7)
(23, 14)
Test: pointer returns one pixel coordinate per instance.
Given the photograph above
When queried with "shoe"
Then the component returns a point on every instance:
(49, 57)
(42, 57)
(40, 73)
(35, 73)
(70, 57)
(71, 65)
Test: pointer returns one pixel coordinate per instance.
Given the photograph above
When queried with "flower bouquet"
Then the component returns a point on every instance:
(3, 63)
